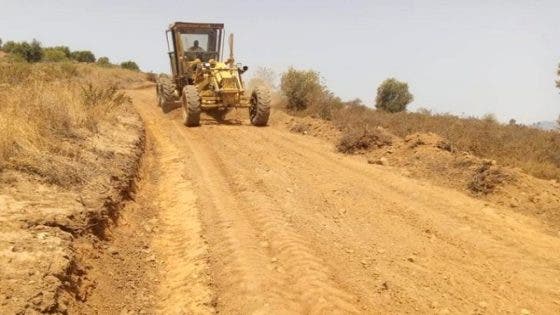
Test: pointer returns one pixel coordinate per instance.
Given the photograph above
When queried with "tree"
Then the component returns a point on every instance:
(103, 61)
(83, 56)
(302, 88)
(513, 121)
(35, 52)
(30, 52)
(9, 46)
(0, 43)
(393, 96)
(558, 73)
(558, 122)
(130, 65)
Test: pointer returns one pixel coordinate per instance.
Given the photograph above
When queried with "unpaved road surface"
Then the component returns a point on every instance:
(261, 220)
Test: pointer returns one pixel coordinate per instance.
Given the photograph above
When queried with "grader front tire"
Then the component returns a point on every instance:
(259, 111)
(165, 91)
(191, 106)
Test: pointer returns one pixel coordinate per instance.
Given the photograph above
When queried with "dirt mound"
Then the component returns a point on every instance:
(356, 140)
(41, 222)
(430, 156)
(306, 126)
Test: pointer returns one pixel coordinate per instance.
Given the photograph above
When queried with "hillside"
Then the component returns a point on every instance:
(69, 150)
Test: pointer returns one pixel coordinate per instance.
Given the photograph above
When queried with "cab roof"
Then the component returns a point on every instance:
(191, 25)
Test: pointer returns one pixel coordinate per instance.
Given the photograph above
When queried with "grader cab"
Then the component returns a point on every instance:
(203, 79)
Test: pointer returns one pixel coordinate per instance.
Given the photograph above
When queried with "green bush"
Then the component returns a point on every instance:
(53, 54)
(9, 46)
(30, 52)
(63, 49)
(130, 65)
(301, 87)
(83, 56)
(393, 96)
(103, 61)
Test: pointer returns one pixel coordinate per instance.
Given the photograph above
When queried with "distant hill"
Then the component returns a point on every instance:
(545, 125)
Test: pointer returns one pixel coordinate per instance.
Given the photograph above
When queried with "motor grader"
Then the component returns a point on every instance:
(203, 80)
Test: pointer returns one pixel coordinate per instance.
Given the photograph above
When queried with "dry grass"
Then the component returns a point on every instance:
(535, 151)
(46, 109)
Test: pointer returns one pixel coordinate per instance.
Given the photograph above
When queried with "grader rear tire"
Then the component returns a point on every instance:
(165, 92)
(191, 106)
(259, 111)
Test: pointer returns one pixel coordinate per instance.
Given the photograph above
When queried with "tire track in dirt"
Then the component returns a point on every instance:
(282, 253)
(180, 251)
(293, 227)
(456, 250)
(185, 252)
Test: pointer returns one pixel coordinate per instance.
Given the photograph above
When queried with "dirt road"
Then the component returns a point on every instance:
(261, 220)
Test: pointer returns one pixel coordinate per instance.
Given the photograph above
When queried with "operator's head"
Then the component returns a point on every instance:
(195, 43)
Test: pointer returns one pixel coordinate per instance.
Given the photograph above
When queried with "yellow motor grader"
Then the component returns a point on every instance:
(203, 80)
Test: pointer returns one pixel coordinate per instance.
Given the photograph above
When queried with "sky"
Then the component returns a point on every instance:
(461, 57)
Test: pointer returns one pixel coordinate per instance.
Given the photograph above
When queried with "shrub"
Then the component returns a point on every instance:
(302, 88)
(30, 52)
(104, 61)
(54, 55)
(355, 140)
(63, 49)
(393, 96)
(558, 73)
(489, 118)
(130, 65)
(100, 101)
(83, 56)
(0, 43)
(9, 46)
(486, 178)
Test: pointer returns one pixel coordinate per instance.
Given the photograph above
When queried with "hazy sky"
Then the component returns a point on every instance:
(470, 57)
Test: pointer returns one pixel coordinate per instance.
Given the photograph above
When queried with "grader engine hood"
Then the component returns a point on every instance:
(225, 82)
